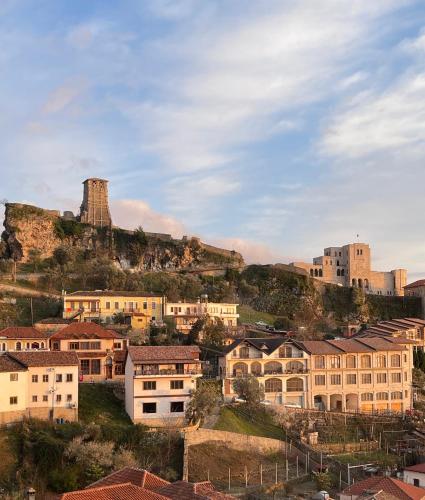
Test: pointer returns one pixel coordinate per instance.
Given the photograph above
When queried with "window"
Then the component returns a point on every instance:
(94, 345)
(273, 385)
(244, 352)
(117, 306)
(69, 377)
(13, 377)
(13, 400)
(366, 378)
(381, 361)
(85, 366)
(149, 385)
(74, 346)
(320, 380)
(117, 345)
(405, 376)
(396, 378)
(18, 346)
(397, 395)
(335, 362)
(177, 407)
(45, 398)
(176, 384)
(34, 378)
(55, 346)
(153, 305)
(365, 361)
(34, 399)
(95, 366)
(367, 396)
(108, 305)
(351, 361)
(416, 482)
(336, 379)
(382, 396)
(351, 379)
(285, 352)
(59, 377)
(319, 362)
(149, 407)
(45, 378)
(395, 360)
(294, 385)
(145, 306)
(58, 398)
(381, 378)
(69, 397)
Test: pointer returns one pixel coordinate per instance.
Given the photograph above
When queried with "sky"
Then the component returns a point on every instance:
(276, 128)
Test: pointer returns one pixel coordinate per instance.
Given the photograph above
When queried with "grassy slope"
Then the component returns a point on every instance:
(250, 315)
(98, 404)
(234, 419)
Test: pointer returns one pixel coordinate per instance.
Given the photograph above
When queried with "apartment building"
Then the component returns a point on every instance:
(101, 352)
(365, 374)
(39, 384)
(138, 309)
(185, 314)
(22, 338)
(402, 328)
(158, 383)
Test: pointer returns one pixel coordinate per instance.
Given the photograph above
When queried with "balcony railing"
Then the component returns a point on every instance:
(167, 372)
(271, 372)
(248, 356)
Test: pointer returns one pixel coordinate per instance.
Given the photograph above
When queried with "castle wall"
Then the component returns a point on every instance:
(95, 207)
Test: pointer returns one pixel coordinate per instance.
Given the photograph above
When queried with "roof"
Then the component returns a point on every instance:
(111, 293)
(85, 330)
(183, 490)
(54, 321)
(397, 488)
(125, 491)
(22, 332)
(164, 353)
(416, 468)
(349, 345)
(415, 284)
(8, 364)
(266, 345)
(45, 358)
(138, 477)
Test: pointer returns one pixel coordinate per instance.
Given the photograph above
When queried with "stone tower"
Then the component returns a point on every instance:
(95, 208)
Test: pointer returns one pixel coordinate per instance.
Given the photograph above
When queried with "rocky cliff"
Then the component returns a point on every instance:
(31, 230)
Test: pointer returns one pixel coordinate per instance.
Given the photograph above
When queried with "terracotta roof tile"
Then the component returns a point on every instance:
(8, 364)
(416, 468)
(138, 477)
(415, 284)
(86, 330)
(22, 332)
(54, 321)
(45, 358)
(111, 293)
(164, 353)
(397, 488)
(126, 491)
(182, 490)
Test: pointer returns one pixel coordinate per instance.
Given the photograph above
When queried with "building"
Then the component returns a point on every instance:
(95, 206)
(51, 325)
(22, 338)
(417, 289)
(402, 328)
(158, 383)
(350, 265)
(415, 474)
(100, 352)
(385, 488)
(139, 484)
(354, 375)
(136, 308)
(39, 384)
(185, 314)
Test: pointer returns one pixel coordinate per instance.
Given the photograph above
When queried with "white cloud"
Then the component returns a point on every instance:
(64, 95)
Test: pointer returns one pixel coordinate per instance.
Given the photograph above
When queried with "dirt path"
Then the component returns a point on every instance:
(26, 291)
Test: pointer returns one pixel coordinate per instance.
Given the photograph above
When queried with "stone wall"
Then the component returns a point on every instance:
(9, 417)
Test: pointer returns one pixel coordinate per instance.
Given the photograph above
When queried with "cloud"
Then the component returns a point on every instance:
(64, 95)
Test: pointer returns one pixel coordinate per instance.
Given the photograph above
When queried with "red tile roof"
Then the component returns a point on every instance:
(86, 330)
(126, 491)
(111, 293)
(416, 468)
(138, 477)
(182, 490)
(45, 358)
(415, 284)
(397, 488)
(164, 353)
(22, 332)
(7, 364)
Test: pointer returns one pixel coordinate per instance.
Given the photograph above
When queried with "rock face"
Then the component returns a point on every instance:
(30, 229)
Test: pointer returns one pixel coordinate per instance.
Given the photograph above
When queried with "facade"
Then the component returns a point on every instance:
(95, 206)
(185, 314)
(412, 329)
(350, 265)
(415, 474)
(39, 384)
(417, 289)
(100, 352)
(22, 338)
(158, 383)
(355, 375)
(138, 309)
(379, 487)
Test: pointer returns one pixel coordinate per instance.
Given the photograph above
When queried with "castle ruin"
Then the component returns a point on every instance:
(95, 207)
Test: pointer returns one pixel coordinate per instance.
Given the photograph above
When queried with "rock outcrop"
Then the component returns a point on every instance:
(31, 230)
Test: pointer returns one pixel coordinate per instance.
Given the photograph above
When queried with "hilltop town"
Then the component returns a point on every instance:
(168, 368)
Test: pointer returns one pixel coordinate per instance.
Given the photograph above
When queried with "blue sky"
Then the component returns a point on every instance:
(273, 127)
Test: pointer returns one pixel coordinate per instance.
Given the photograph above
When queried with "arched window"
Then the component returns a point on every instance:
(316, 272)
(319, 362)
(381, 361)
(3, 346)
(397, 395)
(294, 385)
(272, 367)
(240, 369)
(395, 360)
(273, 385)
(285, 351)
(365, 361)
(256, 368)
(311, 272)
(360, 283)
(342, 272)
(320, 273)
(244, 352)
(18, 346)
(382, 396)
(367, 396)
(353, 282)
(366, 284)
(42, 345)
(335, 362)
(35, 345)
(351, 361)
(294, 367)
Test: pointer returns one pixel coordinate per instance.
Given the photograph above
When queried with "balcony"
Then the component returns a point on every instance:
(267, 373)
(165, 373)
(248, 356)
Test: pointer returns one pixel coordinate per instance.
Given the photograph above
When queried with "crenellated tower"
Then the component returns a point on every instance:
(95, 207)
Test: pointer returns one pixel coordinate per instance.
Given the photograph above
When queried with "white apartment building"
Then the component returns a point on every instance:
(39, 384)
(159, 381)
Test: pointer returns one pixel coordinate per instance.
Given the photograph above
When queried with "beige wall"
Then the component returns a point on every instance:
(25, 344)
(225, 312)
(10, 389)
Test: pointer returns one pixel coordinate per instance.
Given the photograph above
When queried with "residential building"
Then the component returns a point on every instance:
(380, 487)
(403, 328)
(354, 375)
(185, 314)
(39, 384)
(159, 381)
(22, 338)
(138, 309)
(101, 352)
(350, 265)
(139, 484)
(417, 289)
(415, 474)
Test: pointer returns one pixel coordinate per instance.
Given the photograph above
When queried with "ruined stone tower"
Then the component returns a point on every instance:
(95, 208)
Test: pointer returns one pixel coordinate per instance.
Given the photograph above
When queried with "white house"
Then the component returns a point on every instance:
(159, 381)
(415, 474)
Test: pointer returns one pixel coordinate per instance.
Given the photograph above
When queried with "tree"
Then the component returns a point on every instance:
(204, 399)
(214, 333)
(323, 481)
(62, 256)
(197, 327)
(249, 389)
(34, 259)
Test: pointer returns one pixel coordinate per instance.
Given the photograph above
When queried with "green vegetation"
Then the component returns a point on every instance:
(18, 211)
(238, 419)
(97, 403)
(69, 228)
(247, 314)
(379, 457)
